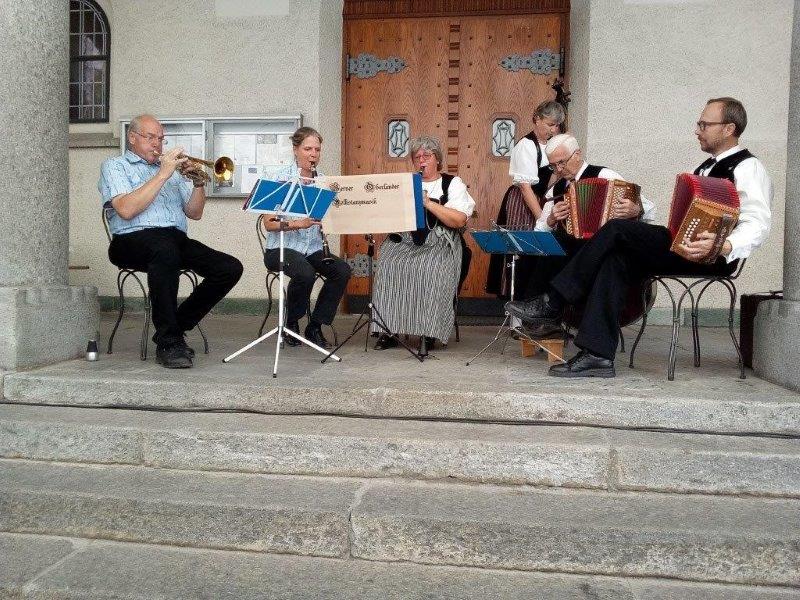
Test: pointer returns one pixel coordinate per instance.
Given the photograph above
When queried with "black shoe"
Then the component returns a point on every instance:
(173, 357)
(537, 310)
(288, 339)
(584, 364)
(185, 347)
(314, 335)
(386, 341)
(544, 330)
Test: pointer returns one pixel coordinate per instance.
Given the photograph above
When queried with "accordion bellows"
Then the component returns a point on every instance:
(591, 203)
(702, 204)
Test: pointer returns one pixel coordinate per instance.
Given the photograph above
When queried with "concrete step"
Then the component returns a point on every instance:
(700, 538)
(561, 456)
(74, 569)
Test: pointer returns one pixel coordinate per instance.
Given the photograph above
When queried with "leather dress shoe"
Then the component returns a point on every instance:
(585, 364)
(536, 310)
(314, 335)
(288, 339)
(173, 357)
(543, 330)
(386, 341)
(181, 343)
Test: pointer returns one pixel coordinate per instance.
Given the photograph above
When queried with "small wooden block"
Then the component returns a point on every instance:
(528, 347)
(556, 346)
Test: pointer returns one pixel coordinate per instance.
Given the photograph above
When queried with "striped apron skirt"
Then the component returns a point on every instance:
(415, 285)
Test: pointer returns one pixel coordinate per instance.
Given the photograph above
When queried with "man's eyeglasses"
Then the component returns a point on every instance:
(560, 164)
(702, 125)
(150, 137)
(421, 155)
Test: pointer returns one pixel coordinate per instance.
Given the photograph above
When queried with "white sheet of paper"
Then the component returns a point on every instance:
(244, 149)
(250, 175)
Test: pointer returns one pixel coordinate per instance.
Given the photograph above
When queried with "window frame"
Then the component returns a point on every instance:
(81, 58)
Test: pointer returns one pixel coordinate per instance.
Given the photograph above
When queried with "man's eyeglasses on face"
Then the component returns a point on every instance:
(560, 164)
(702, 125)
(419, 156)
(150, 137)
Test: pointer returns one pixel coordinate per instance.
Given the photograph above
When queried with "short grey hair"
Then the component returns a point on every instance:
(426, 142)
(135, 124)
(562, 139)
(550, 109)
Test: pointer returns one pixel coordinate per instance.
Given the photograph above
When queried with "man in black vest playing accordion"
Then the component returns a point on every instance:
(624, 251)
(568, 163)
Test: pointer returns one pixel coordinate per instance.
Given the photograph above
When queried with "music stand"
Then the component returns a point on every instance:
(516, 243)
(370, 313)
(285, 199)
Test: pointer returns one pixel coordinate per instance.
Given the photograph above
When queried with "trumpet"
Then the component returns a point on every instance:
(223, 167)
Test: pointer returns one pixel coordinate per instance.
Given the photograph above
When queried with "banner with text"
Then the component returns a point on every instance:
(380, 203)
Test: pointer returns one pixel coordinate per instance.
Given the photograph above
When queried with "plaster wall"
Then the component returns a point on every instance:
(649, 69)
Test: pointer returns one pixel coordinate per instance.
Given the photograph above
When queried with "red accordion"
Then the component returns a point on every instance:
(591, 203)
(702, 204)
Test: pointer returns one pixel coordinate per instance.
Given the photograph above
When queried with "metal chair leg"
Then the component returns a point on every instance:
(268, 284)
(146, 324)
(732, 290)
(621, 341)
(121, 310)
(644, 315)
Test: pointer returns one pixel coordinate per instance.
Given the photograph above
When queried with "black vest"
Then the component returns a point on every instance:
(420, 235)
(590, 171)
(544, 172)
(723, 169)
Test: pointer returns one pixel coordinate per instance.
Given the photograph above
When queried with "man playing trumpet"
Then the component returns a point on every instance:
(148, 196)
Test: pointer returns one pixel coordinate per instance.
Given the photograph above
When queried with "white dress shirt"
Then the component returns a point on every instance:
(524, 164)
(647, 205)
(458, 197)
(755, 205)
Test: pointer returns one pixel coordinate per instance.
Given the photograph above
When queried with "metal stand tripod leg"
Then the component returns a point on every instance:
(281, 329)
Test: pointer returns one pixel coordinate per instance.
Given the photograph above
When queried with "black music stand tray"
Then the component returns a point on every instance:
(515, 243)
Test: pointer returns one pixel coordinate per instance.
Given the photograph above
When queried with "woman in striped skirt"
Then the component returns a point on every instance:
(417, 276)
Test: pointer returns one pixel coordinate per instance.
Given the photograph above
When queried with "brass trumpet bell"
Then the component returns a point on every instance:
(223, 167)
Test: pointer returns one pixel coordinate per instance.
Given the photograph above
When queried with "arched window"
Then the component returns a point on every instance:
(89, 45)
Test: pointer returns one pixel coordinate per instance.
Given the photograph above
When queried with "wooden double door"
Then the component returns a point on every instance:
(452, 77)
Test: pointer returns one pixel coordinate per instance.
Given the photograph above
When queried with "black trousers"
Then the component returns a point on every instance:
(622, 253)
(303, 271)
(162, 252)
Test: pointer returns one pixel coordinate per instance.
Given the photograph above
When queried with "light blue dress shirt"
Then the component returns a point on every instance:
(305, 241)
(123, 174)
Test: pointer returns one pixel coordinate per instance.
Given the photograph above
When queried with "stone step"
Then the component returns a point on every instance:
(504, 388)
(561, 456)
(215, 510)
(704, 538)
(700, 538)
(58, 568)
